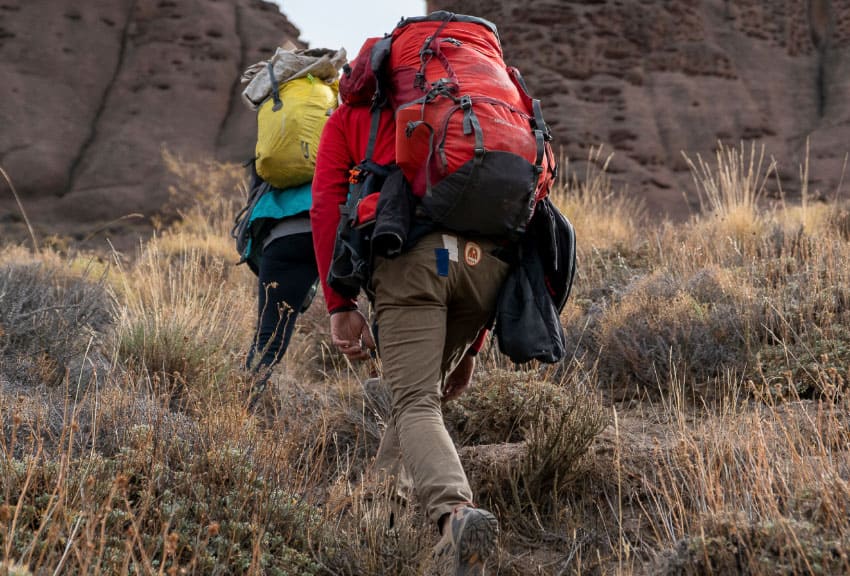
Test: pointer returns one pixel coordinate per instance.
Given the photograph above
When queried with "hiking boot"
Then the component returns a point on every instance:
(258, 382)
(470, 534)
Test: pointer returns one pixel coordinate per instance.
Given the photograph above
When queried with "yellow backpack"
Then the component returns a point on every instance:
(289, 125)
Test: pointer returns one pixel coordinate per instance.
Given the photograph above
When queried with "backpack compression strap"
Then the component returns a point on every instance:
(275, 92)
(431, 48)
(373, 133)
(541, 135)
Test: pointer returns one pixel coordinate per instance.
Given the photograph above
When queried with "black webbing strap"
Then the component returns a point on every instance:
(470, 125)
(373, 132)
(540, 134)
(275, 93)
(357, 174)
(429, 49)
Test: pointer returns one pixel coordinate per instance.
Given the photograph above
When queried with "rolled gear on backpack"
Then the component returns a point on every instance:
(321, 63)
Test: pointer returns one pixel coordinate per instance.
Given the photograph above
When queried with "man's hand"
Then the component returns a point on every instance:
(459, 379)
(351, 335)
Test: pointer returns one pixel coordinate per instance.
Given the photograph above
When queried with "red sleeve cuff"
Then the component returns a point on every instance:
(478, 344)
(346, 308)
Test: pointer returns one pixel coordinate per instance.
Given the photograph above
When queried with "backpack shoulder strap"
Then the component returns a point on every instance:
(373, 132)
(378, 61)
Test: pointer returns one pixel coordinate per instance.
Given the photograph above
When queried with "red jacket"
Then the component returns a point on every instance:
(342, 145)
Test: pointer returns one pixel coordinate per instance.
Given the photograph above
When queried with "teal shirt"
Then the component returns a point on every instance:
(272, 207)
(276, 203)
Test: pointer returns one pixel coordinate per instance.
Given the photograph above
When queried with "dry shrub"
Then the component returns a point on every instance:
(14, 569)
(181, 322)
(838, 222)
(50, 324)
(129, 412)
(731, 192)
(554, 424)
(500, 406)
(816, 367)
(210, 253)
(141, 511)
(662, 325)
(339, 430)
(374, 535)
(735, 544)
(820, 220)
(761, 491)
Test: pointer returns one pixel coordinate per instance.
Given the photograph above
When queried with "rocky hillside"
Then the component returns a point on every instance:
(655, 78)
(650, 79)
(93, 89)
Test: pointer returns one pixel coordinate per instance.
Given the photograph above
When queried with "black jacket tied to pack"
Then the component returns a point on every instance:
(528, 325)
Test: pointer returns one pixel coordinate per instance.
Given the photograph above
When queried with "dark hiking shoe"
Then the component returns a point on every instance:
(258, 389)
(470, 535)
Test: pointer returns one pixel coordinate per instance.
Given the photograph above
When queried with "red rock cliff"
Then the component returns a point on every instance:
(92, 89)
(650, 79)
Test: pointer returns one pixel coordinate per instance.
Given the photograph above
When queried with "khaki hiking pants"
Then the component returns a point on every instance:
(430, 302)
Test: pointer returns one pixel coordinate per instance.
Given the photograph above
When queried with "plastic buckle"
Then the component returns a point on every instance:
(466, 102)
(354, 175)
(419, 81)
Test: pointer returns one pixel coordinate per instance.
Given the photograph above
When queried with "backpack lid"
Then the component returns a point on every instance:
(445, 16)
(358, 83)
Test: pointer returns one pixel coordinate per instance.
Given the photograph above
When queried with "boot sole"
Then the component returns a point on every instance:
(477, 544)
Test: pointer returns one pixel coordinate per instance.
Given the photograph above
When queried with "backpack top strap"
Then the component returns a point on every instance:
(541, 135)
(439, 15)
(275, 88)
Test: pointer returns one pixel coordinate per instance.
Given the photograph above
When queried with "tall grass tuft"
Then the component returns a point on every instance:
(180, 321)
(605, 218)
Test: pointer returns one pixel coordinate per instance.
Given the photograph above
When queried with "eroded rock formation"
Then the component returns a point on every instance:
(93, 89)
(651, 79)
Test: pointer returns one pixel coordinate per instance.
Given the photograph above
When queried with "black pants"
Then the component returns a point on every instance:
(287, 273)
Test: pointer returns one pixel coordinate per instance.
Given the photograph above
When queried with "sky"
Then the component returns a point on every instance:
(346, 23)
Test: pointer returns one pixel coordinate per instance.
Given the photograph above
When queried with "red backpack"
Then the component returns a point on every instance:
(469, 138)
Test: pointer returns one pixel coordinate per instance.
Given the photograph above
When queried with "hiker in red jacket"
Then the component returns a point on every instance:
(432, 303)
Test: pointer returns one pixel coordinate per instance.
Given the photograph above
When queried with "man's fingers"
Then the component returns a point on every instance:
(348, 347)
(355, 353)
(353, 350)
(351, 336)
(367, 339)
(358, 355)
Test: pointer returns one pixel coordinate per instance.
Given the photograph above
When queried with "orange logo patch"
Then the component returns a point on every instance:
(472, 253)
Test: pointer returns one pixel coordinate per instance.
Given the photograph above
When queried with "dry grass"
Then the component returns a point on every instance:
(698, 428)
(604, 218)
